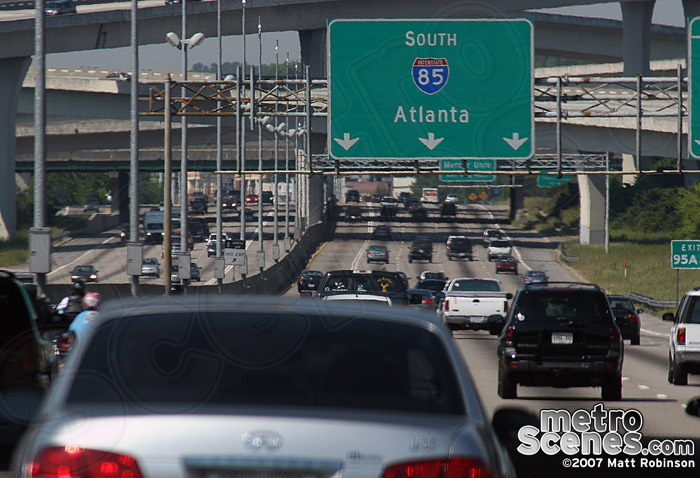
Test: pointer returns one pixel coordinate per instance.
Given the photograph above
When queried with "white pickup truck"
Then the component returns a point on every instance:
(499, 247)
(469, 302)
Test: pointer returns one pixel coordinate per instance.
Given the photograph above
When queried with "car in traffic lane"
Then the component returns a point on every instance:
(309, 280)
(561, 334)
(506, 264)
(305, 389)
(60, 7)
(684, 339)
(377, 253)
(627, 318)
(84, 273)
(150, 267)
(535, 277)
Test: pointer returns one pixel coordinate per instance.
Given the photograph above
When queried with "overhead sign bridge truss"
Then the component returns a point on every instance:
(557, 99)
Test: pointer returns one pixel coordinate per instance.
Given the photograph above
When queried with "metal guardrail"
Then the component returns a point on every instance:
(651, 302)
(565, 257)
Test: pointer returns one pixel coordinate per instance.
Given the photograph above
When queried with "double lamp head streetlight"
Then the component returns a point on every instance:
(192, 42)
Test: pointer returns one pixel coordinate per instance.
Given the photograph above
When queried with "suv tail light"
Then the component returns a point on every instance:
(505, 306)
(445, 468)
(614, 337)
(447, 305)
(508, 338)
(633, 318)
(680, 336)
(67, 461)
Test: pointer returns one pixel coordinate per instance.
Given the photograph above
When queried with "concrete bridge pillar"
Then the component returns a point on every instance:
(636, 24)
(12, 73)
(313, 51)
(592, 197)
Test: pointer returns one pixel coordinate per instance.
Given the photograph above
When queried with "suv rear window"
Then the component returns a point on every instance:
(196, 362)
(550, 306)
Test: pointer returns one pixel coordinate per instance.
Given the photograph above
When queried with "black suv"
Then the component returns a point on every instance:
(421, 248)
(24, 359)
(561, 334)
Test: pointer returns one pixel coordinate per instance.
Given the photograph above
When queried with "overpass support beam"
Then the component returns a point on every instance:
(592, 197)
(119, 188)
(636, 24)
(313, 51)
(316, 184)
(12, 73)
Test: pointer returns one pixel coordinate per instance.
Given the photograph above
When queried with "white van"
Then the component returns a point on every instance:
(430, 195)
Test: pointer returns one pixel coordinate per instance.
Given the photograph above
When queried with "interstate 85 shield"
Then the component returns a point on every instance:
(430, 74)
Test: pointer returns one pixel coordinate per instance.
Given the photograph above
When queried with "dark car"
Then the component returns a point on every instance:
(198, 230)
(60, 7)
(175, 239)
(25, 354)
(85, 273)
(231, 199)
(561, 334)
(352, 195)
(459, 247)
(417, 211)
(535, 277)
(448, 209)
(626, 317)
(506, 264)
(435, 285)
(267, 197)
(198, 206)
(309, 280)
(421, 249)
(382, 231)
(384, 283)
(423, 299)
(91, 205)
(353, 213)
(375, 198)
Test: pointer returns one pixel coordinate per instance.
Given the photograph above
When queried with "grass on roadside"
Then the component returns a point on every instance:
(16, 251)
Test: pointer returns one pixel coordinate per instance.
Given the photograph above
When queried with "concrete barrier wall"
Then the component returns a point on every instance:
(274, 280)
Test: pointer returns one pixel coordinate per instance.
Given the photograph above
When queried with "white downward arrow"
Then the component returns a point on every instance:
(431, 142)
(515, 142)
(346, 142)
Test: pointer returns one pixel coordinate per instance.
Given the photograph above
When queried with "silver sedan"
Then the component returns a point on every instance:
(227, 386)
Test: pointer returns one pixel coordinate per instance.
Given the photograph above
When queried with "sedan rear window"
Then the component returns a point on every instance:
(191, 362)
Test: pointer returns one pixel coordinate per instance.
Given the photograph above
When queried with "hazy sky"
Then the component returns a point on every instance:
(167, 58)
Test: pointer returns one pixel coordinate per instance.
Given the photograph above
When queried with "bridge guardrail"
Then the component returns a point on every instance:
(651, 302)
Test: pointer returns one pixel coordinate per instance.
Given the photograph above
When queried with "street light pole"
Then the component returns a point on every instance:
(287, 241)
(219, 146)
(275, 239)
(243, 270)
(261, 249)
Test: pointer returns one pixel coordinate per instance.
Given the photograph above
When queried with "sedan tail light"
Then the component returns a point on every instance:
(445, 468)
(680, 336)
(632, 318)
(447, 305)
(73, 461)
(427, 301)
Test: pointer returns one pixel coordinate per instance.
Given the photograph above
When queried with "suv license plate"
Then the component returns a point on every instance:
(562, 338)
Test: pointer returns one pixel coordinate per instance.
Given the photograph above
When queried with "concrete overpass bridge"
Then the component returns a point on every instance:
(633, 40)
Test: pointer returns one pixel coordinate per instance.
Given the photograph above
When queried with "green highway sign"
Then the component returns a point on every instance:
(431, 89)
(694, 86)
(685, 254)
(472, 165)
(549, 181)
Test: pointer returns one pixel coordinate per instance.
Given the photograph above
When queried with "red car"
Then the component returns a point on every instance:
(251, 199)
(376, 198)
(506, 264)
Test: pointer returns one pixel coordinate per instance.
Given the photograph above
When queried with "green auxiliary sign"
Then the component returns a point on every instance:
(549, 181)
(431, 89)
(472, 165)
(694, 86)
(685, 254)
